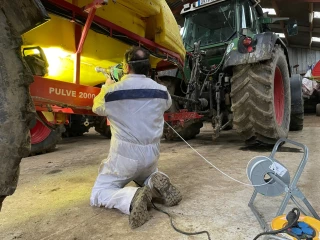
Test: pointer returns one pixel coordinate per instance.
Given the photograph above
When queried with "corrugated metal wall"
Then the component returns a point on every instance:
(303, 57)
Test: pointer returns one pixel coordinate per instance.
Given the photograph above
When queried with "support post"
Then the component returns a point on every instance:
(91, 9)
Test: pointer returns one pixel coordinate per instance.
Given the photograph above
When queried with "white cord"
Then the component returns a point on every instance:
(246, 184)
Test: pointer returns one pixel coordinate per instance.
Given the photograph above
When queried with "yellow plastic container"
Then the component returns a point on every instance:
(281, 221)
(151, 19)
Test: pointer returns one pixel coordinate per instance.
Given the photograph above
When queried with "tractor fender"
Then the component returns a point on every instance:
(263, 51)
(296, 94)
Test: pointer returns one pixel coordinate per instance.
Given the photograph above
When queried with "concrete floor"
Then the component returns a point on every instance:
(52, 199)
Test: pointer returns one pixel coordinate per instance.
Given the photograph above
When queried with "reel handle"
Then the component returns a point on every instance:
(303, 160)
(284, 140)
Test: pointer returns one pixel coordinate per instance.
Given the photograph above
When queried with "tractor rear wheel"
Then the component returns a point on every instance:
(44, 137)
(261, 99)
(191, 128)
(16, 108)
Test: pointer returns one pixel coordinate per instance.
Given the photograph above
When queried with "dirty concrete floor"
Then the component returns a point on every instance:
(52, 199)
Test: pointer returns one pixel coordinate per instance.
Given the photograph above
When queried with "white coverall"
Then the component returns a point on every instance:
(135, 107)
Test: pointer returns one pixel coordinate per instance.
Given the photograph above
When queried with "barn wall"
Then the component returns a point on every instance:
(303, 57)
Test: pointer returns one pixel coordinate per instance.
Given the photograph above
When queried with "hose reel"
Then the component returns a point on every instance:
(270, 178)
(260, 171)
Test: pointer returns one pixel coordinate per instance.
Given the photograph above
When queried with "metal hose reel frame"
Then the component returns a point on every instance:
(279, 181)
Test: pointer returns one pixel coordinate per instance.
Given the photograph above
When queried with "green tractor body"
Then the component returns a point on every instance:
(236, 72)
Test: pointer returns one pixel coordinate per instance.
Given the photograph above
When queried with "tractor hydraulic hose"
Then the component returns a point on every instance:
(185, 99)
(204, 82)
(215, 71)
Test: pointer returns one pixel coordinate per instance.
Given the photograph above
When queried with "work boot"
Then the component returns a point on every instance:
(138, 207)
(169, 193)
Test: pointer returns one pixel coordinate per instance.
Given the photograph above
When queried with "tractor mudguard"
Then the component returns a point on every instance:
(24, 15)
(263, 51)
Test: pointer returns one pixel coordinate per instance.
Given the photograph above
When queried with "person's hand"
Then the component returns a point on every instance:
(109, 81)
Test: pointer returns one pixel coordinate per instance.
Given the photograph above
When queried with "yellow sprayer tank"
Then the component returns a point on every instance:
(150, 19)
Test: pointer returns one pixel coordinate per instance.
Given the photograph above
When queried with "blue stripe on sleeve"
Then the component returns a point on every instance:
(135, 94)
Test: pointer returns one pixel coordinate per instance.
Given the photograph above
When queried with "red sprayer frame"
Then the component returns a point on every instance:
(73, 98)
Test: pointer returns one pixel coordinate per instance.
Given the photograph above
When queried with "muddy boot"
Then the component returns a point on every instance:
(138, 208)
(169, 193)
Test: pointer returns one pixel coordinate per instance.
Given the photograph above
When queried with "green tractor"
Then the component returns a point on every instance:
(236, 73)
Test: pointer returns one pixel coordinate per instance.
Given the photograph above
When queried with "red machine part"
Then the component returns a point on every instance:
(316, 70)
(40, 131)
(65, 97)
(179, 118)
(78, 99)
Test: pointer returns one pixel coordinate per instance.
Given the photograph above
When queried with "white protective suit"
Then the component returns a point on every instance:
(135, 107)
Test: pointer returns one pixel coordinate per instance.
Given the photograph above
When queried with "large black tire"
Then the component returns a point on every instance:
(296, 123)
(297, 103)
(191, 130)
(173, 86)
(49, 144)
(261, 100)
(101, 127)
(16, 108)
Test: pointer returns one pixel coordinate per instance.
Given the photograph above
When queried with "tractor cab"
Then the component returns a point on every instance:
(216, 23)
(210, 24)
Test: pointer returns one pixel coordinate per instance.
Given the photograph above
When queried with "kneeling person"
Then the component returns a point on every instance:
(135, 107)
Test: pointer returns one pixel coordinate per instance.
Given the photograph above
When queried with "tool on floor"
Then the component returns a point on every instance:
(262, 170)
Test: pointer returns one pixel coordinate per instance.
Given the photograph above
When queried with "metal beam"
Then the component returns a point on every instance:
(301, 28)
(276, 8)
(301, 1)
(311, 22)
(86, 29)
(305, 47)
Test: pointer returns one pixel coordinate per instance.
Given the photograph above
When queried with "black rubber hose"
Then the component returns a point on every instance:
(178, 230)
(171, 221)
